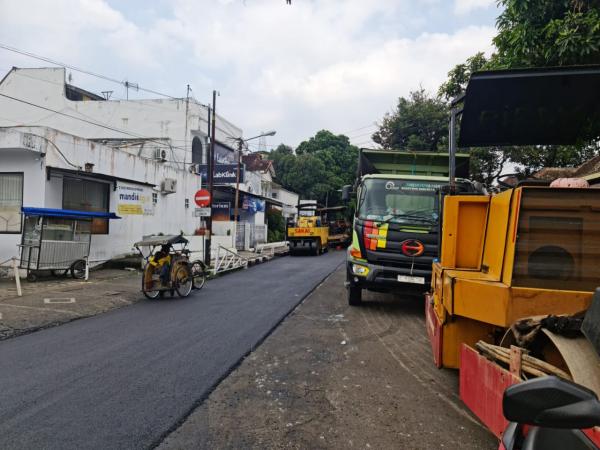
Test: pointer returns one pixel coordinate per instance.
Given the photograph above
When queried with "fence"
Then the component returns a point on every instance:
(249, 235)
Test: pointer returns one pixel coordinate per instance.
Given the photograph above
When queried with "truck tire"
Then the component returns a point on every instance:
(354, 295)
(317, 250)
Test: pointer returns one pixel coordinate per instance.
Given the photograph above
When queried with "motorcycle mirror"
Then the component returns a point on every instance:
(551, 402)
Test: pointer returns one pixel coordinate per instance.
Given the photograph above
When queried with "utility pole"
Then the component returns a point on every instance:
(237, 182)
(211, 165)
(185, 136)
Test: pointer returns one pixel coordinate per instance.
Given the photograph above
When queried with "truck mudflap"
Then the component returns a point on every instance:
(481, 387)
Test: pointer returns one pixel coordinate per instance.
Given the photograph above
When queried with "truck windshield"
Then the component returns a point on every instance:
(399, 201)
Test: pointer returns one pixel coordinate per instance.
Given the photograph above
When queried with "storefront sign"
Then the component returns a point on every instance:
(224, 173)
(221, 211)
(253, 204)
(134, 200)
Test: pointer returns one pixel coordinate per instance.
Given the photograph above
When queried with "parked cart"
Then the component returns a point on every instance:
(57, 241)
(171, 255)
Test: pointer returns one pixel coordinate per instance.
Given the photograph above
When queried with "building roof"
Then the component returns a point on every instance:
(588, 170)
(256, 162)
(589, 167)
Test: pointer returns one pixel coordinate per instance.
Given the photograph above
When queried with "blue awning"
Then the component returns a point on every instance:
(67, 213)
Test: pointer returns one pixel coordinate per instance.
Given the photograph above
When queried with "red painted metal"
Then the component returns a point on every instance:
(434, 330)
(594, 435)
(481, 386)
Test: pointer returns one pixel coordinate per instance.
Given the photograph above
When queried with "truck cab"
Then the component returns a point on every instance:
(396, 225)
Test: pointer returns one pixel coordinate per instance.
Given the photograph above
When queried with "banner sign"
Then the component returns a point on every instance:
(221, 211)
(252, 204)
(134, 200)
(224, 173)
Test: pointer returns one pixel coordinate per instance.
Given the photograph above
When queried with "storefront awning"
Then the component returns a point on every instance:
(231, 190)
(67, 213)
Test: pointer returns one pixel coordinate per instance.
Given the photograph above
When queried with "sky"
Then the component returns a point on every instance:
(315, 64)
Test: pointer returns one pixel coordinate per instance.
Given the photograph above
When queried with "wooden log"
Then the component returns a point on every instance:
(529, 364)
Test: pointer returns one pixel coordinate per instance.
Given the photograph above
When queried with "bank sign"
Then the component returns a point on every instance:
(224, 173)
(134, 200)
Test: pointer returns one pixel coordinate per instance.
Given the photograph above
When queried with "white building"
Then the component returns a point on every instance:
(175, 128)
(64, 147)
(288, 199)
(42, 167)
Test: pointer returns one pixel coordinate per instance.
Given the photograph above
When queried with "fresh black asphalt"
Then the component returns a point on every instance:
(127, 378)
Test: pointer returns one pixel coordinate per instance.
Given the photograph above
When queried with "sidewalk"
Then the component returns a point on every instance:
(53, 301)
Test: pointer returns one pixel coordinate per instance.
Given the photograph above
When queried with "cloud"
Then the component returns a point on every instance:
(462, 7)
(316, 64)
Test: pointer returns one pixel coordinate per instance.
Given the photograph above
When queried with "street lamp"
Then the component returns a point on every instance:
(241, 143)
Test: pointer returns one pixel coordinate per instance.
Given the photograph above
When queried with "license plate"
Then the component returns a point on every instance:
(414, 280)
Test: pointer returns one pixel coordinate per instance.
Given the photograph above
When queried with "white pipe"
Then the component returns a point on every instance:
(17, 277)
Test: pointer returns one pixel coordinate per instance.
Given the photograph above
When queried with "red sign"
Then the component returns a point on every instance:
(202, 198)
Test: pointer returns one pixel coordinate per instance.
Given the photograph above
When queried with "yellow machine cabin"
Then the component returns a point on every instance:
(524, 252)
(309, 234)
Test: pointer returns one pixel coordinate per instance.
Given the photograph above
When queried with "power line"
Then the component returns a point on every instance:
(372, 125)
(108, 127)
(126, 84)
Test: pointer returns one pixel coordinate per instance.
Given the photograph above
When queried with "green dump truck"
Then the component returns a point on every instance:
(396, 226)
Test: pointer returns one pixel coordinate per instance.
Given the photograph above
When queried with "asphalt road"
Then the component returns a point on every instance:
(126, 378)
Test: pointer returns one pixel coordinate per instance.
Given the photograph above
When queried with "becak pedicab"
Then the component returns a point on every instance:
(169, 268)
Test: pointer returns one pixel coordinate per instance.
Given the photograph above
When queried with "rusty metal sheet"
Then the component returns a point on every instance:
(581, 358)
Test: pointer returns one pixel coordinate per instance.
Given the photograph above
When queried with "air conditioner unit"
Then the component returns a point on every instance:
(169, 186)
(160, 154)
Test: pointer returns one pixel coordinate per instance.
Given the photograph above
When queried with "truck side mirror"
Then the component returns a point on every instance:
(346, 193)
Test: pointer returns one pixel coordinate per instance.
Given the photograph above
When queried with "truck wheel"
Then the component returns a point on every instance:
(354, 295)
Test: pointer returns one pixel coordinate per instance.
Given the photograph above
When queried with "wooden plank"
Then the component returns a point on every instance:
(515, 361)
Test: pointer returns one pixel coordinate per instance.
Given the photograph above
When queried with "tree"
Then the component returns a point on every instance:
(319, 167)
(459, 76)
(419, 123)
(535, 33)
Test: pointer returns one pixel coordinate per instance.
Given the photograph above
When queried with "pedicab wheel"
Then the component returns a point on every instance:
(183, 281)
(198, 275)
(148, 286)
(31, 277)
(59, 273)
(78, 269)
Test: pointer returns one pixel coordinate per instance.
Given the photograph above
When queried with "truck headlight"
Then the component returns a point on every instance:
(357, 269)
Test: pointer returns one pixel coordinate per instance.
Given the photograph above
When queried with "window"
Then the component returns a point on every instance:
(196, 151)
(86, 195)
(154, 198)
(11, 201)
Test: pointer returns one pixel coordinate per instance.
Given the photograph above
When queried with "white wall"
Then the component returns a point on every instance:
(160, 118)
(169, 216)
(28, 162)
(289, 200)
